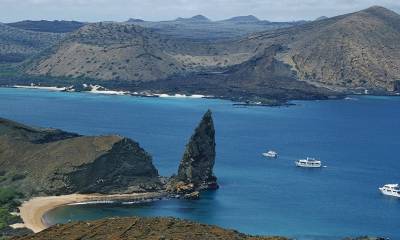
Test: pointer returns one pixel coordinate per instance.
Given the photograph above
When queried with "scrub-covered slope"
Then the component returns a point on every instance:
(17, 44)
(358, 50)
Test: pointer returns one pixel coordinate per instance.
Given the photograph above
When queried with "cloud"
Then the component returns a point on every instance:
(98, 10)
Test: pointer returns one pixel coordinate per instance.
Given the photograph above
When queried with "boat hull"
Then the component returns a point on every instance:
(387, 193)
(307, 165)
(270, 155)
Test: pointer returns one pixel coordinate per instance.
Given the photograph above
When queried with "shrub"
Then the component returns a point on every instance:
(6, 218)
(8, 198)
(6, 195)
(17, 177)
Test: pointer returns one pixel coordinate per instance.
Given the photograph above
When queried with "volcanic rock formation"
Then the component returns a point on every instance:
(195, 171)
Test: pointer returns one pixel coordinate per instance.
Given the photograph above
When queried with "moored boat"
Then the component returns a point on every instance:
(308, 163)
(392, 190)
(270, 154)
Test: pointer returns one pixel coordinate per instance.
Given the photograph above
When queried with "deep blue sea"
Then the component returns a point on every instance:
(358, 140)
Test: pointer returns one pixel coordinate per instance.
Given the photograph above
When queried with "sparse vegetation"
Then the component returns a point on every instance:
(6, 218)
(9, 198)
(8, 202)
(18, 44)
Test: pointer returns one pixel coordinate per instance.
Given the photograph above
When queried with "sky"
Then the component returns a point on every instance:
(155, 10)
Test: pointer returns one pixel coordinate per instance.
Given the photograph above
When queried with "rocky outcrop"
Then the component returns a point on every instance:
(195, 171)
(140, 228)
(125, 168)
(52, 162)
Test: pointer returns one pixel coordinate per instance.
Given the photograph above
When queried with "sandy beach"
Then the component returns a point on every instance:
(32, 211)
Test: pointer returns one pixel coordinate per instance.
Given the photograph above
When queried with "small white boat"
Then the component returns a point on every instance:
(390, 190)
(270, 154)
(308, 163)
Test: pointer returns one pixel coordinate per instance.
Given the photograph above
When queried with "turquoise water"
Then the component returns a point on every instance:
(357, 139)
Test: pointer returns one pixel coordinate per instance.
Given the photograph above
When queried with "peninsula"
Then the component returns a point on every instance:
(51, 168)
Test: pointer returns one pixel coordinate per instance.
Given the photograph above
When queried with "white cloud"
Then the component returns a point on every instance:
(96, 10)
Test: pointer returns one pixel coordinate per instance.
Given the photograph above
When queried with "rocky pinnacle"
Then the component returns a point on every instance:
(196, 167)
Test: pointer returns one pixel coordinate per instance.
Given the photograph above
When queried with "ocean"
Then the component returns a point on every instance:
(357, 139)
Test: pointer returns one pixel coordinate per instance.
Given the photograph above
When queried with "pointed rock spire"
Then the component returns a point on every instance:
(196, 168)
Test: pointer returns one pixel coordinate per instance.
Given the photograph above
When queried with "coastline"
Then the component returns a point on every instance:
(97, 89)
(33, 210)
(240, 102)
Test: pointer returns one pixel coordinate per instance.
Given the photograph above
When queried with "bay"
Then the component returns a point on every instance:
(357, 139)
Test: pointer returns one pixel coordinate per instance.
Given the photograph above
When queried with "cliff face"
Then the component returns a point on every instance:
(126, 167)
(196, 167)
(198, 160)
(140, 228)
(52, 162)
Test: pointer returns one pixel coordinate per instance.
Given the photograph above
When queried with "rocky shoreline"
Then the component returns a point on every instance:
(178, 86)
(237, 99)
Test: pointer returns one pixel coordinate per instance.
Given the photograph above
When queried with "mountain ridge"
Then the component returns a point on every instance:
(351, 53)
(358, 50)
(248, 18)
(55, 26)
(196, 18)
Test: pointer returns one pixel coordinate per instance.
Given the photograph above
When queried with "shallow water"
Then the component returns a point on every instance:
(357, 139)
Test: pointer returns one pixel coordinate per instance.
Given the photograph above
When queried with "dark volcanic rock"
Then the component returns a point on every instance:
(48, 162)
(126, 167)
(196, 167)
(140, 228)
(198, 160)
(192, 196)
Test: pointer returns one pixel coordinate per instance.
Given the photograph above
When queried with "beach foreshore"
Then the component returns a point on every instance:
(33, 210)
(97, 89)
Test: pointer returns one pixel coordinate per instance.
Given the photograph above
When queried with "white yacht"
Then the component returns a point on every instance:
(391, 190)
(270, 154)
(308, 163)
